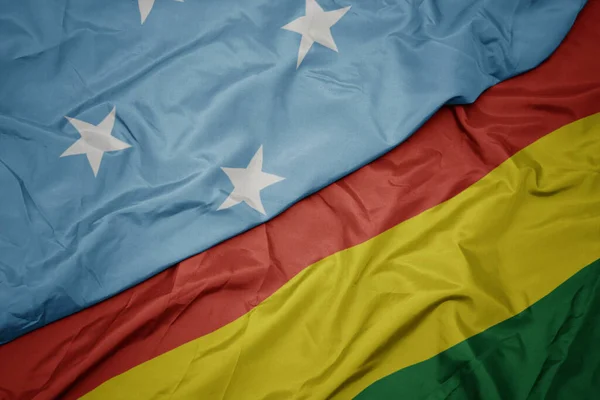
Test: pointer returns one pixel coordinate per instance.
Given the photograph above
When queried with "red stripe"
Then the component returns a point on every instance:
(455, 149)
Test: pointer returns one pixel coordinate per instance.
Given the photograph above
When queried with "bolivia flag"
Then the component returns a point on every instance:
(463, 264)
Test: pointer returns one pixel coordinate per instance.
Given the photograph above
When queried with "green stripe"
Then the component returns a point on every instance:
(549, 351)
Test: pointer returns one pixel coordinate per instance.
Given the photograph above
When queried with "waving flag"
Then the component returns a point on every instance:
(462, 264)
(135, 135)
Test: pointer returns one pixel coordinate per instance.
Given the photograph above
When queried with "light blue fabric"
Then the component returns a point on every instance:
(202, 85)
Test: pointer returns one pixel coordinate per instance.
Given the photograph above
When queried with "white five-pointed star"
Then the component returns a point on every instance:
(95, 140)
(248, 182)
(315, 26)
(146, 7)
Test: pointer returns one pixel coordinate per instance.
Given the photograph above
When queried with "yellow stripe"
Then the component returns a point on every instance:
(405, 295)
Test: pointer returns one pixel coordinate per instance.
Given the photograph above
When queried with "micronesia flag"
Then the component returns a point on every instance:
(135, 133)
